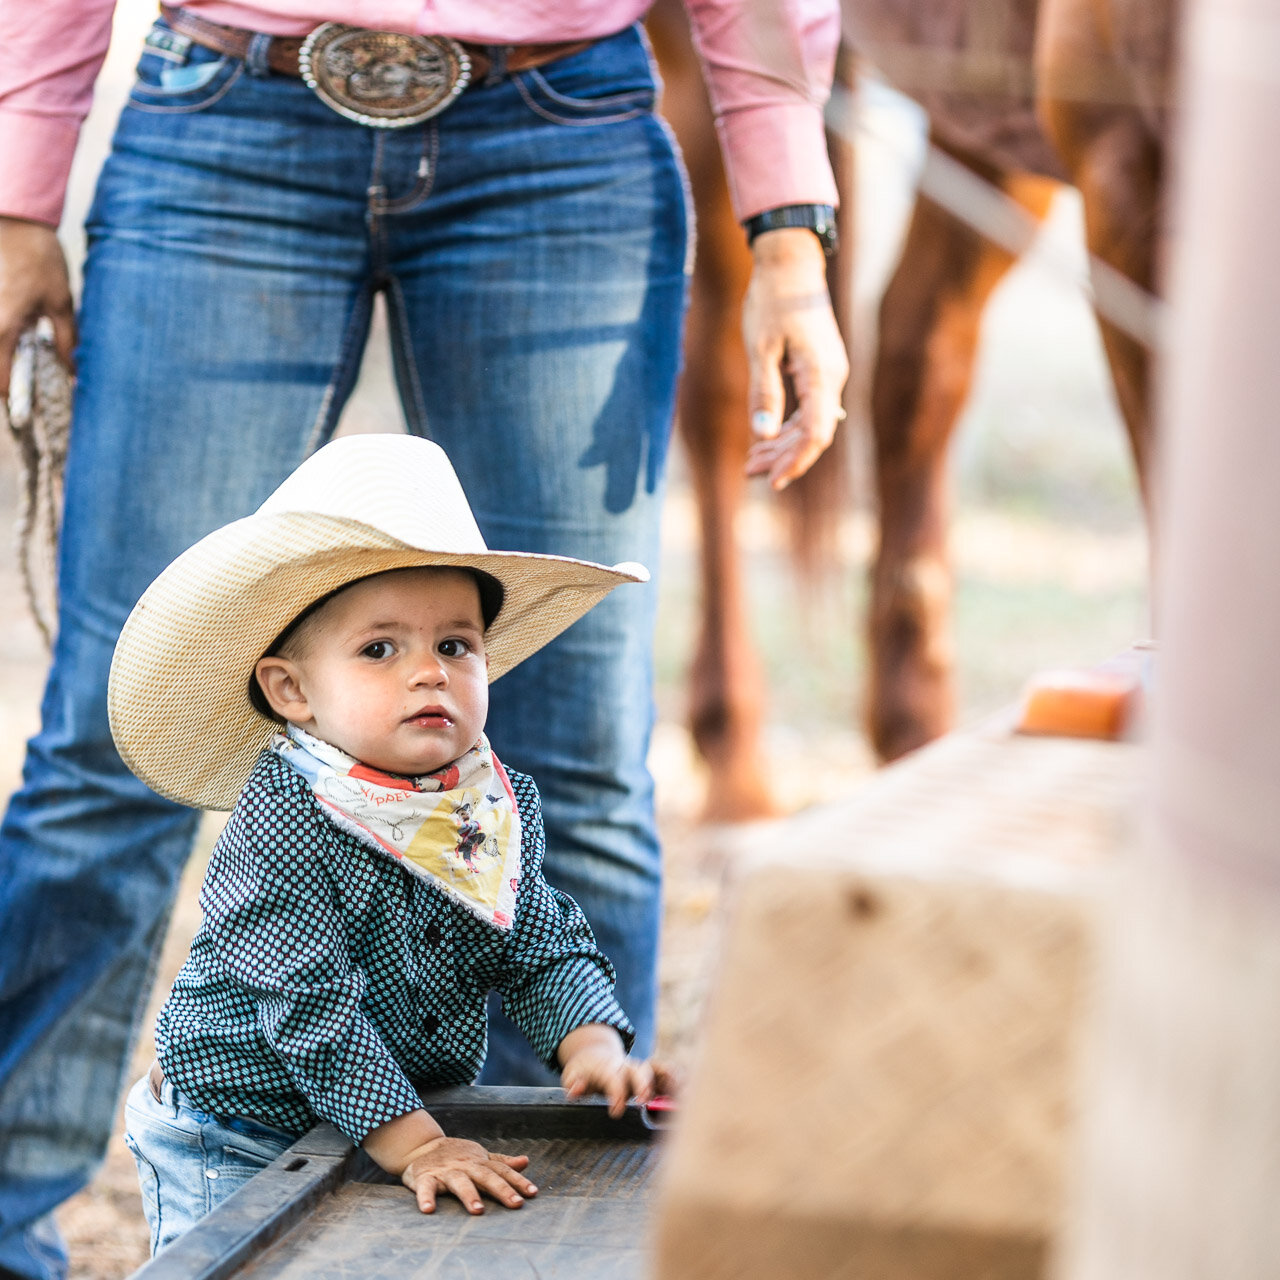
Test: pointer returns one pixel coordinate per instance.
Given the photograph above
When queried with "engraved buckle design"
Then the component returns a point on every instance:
(382, 78)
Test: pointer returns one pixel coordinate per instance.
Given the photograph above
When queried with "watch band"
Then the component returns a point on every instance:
(818, 218)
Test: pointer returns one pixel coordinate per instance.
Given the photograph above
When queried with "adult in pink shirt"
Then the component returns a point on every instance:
(501, 178)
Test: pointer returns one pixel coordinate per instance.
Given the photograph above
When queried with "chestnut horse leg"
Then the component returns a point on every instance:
(929, 327)
(1114, 155)
(726, 682)
(726, 696)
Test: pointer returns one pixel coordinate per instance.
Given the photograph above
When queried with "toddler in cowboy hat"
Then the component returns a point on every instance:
(323, 666)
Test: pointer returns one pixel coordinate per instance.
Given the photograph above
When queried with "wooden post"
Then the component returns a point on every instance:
(1180, 1175)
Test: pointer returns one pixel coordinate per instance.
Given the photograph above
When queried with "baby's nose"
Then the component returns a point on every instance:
(431, 670)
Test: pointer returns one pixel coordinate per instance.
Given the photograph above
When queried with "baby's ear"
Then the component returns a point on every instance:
(278, 679)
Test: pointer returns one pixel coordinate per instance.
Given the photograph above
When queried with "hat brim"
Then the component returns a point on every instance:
(178, 697)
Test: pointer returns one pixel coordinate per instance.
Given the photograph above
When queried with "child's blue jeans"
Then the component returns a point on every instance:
(188, 1160)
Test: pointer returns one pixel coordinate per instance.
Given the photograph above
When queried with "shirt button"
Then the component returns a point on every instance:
(434, 934)
(429, 1023)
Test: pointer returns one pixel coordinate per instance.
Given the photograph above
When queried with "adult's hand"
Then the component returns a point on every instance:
(790, 327)
(33, 283)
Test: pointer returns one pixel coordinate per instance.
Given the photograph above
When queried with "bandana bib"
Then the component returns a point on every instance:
(459, 827)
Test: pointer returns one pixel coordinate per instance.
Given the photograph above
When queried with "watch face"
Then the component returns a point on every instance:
(827, 232)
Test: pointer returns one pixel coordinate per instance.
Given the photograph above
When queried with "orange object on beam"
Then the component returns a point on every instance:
(1101, 702)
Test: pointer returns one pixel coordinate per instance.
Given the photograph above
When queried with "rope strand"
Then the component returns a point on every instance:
(38, 414)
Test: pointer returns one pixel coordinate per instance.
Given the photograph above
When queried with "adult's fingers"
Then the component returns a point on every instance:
(819, 368)
(574, 1081)
(766, 395)
(33, 284)
(64, 335)
(790, 327)
(795, 449)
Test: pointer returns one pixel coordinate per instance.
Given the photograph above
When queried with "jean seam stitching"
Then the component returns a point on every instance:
(159, 110)
(204, 1162)
(423, 188)
(325, 421)
(640, 96)
(537, 109)
(377, 203)
(399, 335)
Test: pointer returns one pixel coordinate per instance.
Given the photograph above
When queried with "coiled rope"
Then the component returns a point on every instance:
(38, 414)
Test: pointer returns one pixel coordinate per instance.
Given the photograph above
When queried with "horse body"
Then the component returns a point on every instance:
(969, 65)
(1025, 94)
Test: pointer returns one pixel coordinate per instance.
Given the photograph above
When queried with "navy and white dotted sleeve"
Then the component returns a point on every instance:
(272, 919)
(556, 978)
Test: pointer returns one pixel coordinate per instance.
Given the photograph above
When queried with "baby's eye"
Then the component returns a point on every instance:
(377, 649)
(454, 648)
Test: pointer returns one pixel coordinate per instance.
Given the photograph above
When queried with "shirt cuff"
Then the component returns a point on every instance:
(775, 156)
(35, 162)
(573, 995)
(376, 1094)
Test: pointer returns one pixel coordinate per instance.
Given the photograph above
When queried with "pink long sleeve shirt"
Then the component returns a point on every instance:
(768, 65)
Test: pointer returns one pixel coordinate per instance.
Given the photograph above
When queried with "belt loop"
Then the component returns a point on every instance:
(255, 58)
(497, 63)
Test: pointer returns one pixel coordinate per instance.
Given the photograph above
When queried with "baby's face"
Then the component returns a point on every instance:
(393, 670)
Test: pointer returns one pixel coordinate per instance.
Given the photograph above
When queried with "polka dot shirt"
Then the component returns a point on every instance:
(325, 978)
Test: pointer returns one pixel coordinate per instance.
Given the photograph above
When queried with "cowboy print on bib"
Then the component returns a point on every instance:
(459, 827)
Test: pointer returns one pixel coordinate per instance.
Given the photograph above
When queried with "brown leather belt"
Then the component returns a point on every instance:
(282, 52)
(155, 1078)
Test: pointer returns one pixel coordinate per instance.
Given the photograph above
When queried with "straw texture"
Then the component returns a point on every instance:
(179, 704)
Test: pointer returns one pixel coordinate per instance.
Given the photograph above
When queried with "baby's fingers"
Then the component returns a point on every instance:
(509, 1168)
(514, 1162)
(424, 1190)
(617, 1089)
(634, 1081)
(504, 1184)
(460, 1185)
(609, 1077)
(579, 1078)
(665, 1081)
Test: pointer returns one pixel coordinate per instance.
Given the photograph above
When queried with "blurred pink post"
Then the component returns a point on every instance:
(1181, 1168)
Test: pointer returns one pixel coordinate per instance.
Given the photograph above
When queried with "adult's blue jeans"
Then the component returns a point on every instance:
(530, 242)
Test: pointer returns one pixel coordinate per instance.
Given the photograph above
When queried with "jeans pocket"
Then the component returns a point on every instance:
(149, 1183)
(232, 1167)
(171, 78)
(609, 82)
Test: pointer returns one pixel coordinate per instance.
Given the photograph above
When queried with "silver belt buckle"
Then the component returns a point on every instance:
(382, 78)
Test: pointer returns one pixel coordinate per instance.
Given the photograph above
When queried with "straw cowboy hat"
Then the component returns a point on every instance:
(179, 693)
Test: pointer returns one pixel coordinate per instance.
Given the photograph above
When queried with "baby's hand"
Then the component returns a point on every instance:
(594, 1062)
(464, 1169)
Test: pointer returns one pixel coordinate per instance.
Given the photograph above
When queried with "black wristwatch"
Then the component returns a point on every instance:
(818, 218)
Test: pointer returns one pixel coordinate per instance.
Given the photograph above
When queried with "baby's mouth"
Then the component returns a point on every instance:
(430, 718)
